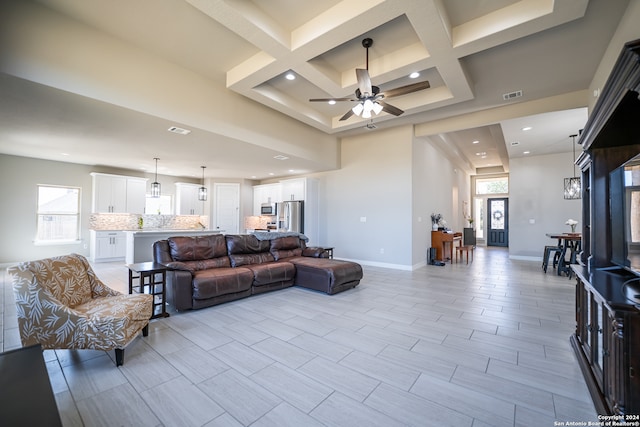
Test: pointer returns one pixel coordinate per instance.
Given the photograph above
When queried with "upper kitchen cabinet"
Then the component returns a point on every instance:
(294, 189)
(118, 194)
(265, 193)
(187, 202)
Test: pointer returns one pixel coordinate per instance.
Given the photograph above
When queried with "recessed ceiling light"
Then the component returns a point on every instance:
(290, 76)
(271, 173)
(414, 75)
(526, 152)
(481, 153)
(332, 102)
(64, 154)
(475, 142)
(280, 157)
(526, 128)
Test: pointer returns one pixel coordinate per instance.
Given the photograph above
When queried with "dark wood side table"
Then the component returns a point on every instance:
(152, 279)
(329, 250)
(26, 396)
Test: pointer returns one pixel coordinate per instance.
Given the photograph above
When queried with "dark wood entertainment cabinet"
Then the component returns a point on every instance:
(607, 337)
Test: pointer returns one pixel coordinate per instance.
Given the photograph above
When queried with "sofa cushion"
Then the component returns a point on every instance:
(204, 264)
(245, 249)
(285, 247)
(220, 281)
(272, 272)
(195, 248)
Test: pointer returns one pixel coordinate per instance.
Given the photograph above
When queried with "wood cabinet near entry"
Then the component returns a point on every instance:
(118, 194)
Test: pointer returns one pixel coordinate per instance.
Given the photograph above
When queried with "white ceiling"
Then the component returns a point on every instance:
(471, 53)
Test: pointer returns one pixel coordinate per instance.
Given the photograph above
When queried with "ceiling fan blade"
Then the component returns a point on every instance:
(331, 99)
(346, 115)
(388, 108)
(364, 82)
(403, 90)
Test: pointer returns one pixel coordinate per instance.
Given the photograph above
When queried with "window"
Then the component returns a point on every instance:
(58, 214)
(158, 205)
(492, 185)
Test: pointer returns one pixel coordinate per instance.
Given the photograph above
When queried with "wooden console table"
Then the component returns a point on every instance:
(444, 242)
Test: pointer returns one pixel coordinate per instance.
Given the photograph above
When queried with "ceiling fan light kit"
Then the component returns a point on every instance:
(369, 97)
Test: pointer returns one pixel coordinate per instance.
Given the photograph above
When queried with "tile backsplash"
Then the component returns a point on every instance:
(107, 221)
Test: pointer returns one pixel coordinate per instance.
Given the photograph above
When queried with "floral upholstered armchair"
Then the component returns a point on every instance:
(62, 304)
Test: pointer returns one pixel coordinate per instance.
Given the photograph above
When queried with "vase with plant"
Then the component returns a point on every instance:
(470, 221)
(435, 221)
(572, 223)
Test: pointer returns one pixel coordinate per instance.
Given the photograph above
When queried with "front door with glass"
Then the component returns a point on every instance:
(498, 222)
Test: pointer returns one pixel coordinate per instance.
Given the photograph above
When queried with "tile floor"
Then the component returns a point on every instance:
(484, 344)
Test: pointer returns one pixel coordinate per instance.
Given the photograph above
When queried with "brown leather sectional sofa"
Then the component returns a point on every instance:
(210, 270)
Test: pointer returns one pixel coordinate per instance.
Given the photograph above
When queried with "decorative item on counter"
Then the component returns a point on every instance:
(140, 223)
(572, 223)
(436, 220)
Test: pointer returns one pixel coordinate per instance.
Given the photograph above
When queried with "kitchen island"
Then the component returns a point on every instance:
(140, 242)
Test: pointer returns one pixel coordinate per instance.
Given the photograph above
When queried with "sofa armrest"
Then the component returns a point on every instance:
(177, 265)
(180, 289)
(315, 252)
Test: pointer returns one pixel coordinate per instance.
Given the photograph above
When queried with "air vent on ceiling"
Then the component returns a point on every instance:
(514, 143)
(280, 157)
(178, 130)
(511, 95)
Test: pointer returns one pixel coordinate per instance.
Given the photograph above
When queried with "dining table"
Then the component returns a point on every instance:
(567, 242)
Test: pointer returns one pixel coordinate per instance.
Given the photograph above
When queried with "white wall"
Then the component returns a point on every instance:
(536, 193)
(373, 183)
(19, 177)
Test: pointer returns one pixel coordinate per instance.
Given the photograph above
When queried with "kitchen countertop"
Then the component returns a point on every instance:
(139, 243)
(172, 231)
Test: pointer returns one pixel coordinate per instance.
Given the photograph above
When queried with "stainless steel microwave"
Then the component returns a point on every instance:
(268, 209)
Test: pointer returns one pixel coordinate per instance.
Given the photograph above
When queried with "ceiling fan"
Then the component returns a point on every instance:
(369, 97)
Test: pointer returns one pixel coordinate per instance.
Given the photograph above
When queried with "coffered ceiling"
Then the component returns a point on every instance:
(472, 53)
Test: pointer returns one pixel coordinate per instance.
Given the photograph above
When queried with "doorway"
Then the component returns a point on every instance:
(227, 207)
(498, 227)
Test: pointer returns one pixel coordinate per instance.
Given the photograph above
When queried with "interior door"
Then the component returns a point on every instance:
(498, 224)
(227, 207)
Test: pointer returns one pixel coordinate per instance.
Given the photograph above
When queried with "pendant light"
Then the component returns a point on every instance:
(572, 185)
(202, 191)
(155, 185)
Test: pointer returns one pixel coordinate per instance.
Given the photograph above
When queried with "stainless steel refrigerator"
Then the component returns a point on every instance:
(290, 216)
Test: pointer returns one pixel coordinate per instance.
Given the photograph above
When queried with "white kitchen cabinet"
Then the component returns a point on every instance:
(118, 194)
(187, 202)
(265, 193)
(107, 246)
(136, 195)
(294, 189)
